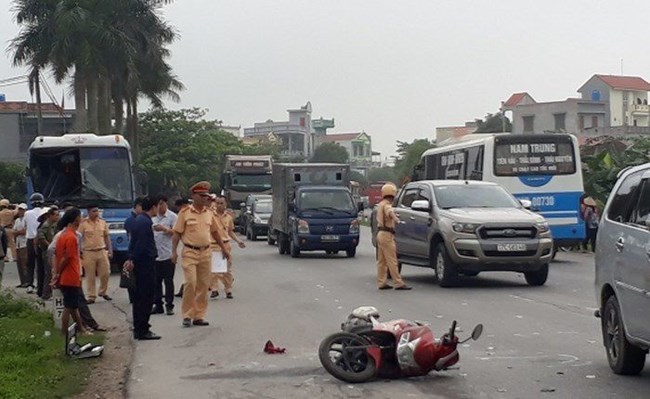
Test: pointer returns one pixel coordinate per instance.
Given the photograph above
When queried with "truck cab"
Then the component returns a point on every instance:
(313, 209)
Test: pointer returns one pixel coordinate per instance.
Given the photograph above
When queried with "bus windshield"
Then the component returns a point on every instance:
(539, 155)
(83, 175)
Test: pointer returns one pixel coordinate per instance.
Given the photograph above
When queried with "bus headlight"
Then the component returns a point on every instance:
(469, 228)
(542, 227)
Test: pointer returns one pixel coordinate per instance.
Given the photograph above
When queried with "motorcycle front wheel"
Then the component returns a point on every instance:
(345, 356)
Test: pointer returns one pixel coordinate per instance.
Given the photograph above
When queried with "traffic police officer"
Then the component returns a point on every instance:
(227, 233)
(195, 227)
(386, 249)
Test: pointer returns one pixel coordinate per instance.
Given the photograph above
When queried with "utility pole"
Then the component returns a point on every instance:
(39, 111)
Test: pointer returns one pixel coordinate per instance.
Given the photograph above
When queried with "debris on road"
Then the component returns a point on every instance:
(272, 349)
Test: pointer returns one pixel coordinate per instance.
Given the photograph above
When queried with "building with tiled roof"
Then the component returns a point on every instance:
(19, 126)
(608, 105)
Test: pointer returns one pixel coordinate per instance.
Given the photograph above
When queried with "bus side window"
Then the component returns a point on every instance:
(474, 160)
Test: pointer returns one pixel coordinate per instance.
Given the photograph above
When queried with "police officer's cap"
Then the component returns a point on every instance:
(202, 187)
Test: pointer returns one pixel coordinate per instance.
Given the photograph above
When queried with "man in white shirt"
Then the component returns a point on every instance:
(163, 224)
(20, 232)
(34, 261)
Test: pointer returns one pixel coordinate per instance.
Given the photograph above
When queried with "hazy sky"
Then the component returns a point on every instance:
(394, 69)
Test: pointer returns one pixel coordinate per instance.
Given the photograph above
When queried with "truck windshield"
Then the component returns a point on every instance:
(326, 200)
(83, 175)
(261, 182)
(473, 196)
(263, 207)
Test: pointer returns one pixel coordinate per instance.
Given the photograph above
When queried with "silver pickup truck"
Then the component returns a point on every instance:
(467, 227)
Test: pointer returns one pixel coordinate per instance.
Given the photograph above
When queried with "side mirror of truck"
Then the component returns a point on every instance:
(421, 205)
(527, 204)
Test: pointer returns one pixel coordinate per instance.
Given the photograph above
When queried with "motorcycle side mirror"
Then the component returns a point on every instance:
(478, 330)
(476, 333)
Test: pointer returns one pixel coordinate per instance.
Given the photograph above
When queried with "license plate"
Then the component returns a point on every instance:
(511, 247)
(329, 238)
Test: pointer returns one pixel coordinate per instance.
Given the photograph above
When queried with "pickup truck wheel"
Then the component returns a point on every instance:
(446, 270)
(293, 249)
(351, 253)
(537, 278)
(623, 357)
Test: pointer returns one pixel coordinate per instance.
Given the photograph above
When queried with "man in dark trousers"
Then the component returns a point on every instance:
(142, 263)
(128, 224)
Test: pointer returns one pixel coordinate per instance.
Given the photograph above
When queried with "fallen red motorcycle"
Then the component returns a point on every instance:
(367, 348)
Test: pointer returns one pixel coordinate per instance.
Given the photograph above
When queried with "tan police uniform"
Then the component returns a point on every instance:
(195, 229)
(386, 248)
(7, 217)
(226, 225)
(95, 256)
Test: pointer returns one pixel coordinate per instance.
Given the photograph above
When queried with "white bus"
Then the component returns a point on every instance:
(542, 168)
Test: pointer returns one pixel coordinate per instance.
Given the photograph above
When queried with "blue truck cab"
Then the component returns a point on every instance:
(313, 209)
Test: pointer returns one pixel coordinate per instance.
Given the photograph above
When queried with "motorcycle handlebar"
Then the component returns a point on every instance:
(452, 330)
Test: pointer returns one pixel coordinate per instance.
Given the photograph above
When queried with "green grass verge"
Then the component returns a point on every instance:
(33, 365)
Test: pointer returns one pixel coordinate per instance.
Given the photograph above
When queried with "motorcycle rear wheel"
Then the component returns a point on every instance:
(352, 365)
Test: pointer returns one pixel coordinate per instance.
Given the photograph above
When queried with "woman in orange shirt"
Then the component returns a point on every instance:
(67, 273)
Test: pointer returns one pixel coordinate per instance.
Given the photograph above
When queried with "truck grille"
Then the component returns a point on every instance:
(507, 232)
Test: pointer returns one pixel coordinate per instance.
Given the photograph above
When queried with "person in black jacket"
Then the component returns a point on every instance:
(142, 262)
(3, 254)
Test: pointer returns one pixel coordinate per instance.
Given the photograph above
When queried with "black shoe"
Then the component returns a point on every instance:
(106, 297)
(404, 288)
(148, 336)
(180, 292)
(200, 322)
(157, 310)
(187, 322)
(170, 311)
(386, 287)
(214, 294)
(229, 295)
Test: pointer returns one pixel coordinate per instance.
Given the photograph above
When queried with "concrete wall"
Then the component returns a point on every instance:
(10, 138)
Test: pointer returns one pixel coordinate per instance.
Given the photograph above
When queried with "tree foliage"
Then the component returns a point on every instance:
(114, 51)
(12, 181)
(330, 152)
(494, 123)
(180, 148)
(359, 178)
(409, 155)
(602, 160)
(385, 173)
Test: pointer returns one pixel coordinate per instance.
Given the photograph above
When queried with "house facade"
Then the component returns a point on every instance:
(358, 145)
(19, 126)
(297, 136)
(608, 105)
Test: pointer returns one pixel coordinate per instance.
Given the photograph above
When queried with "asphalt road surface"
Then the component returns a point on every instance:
(538, 342)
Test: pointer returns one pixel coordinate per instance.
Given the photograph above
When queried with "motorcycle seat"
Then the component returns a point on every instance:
(365, 313)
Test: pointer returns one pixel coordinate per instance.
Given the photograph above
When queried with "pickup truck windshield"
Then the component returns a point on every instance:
(473, 196)
(326, 200)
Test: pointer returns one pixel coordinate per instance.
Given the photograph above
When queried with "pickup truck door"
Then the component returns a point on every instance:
(404, 233)
(422, 222)
(636, 247)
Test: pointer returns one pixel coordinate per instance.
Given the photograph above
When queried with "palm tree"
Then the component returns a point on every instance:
(113, 50)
